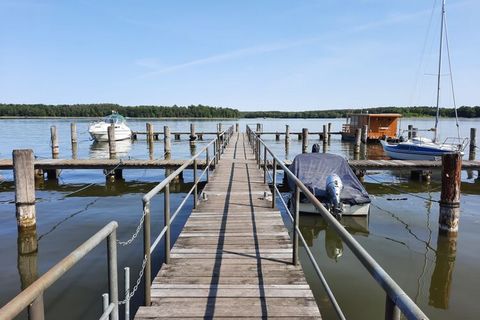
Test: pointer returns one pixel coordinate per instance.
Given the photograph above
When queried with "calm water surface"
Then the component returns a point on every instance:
(441, 274)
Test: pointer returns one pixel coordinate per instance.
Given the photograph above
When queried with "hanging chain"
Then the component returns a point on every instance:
(137, 284)
(139, 227)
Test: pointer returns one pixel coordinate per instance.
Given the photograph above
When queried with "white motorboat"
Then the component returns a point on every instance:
(421, 148)
(99, 130)
(332, 181)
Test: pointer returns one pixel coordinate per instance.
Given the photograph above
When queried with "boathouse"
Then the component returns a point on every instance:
(380, 125)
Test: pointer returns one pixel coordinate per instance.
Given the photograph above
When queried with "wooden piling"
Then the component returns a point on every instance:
(358, 135)
(73, 132)
(473, 143)
(329, 130)
(193, 136)
(259, 127)
(304, 140)
(53, 173)
(177, 136)
(167, 147)
(277, 136)
(237, 127)
(287, 134)
(450, 195)
(410, 131)
(299, 136)
(23, 173)
(149, 128)
(54, 142)
(112, 146)
(414, 132)
(325, 134)
(365, 134)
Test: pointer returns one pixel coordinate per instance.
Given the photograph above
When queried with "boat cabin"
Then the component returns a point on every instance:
(380, 125)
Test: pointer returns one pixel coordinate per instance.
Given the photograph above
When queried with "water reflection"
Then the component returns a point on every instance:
(27, 246)
(99, 150)
(311, 225)
(441, 280)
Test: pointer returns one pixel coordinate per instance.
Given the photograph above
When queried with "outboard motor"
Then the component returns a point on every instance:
(334, 188)
(316, 148)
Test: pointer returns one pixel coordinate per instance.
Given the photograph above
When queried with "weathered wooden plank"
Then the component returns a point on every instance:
(233, 257)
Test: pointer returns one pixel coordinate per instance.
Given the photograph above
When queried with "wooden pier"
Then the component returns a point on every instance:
(233, 258)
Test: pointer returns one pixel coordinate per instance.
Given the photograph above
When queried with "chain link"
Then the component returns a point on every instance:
(137, 284)
(139, 227)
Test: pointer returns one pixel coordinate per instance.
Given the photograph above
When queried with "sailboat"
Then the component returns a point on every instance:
(422, 148)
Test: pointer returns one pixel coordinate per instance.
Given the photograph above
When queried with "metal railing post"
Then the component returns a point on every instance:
(274, 181)
(105, 301)
(265, 164)
(36, 310)
(167, 222)
(392, 312)
(207, 159)
(146, 252)
(127, 293)
(112, 273)
(295, 226)
(195, 189)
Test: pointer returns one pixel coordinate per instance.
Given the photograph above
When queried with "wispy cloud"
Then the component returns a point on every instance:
(288, 44)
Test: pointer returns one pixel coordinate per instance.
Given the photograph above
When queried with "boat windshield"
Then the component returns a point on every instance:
(115, 119)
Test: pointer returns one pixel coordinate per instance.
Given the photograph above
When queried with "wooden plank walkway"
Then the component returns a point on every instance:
(233, 258)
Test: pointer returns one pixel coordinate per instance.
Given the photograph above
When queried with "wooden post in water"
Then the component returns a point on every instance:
(450, 195)
(410, 132)
(358, 135)
(473, 143)
(193, 136)
(414, 132)
(149, 128)
(304, 140)
(237, 127)
(472, 151)
(365, 134)
(277, 136)
(329, 130)
(325, 134)
(167, 147)
(74, 140)
(112, 146)
(287, 134)
(150, 138)
(23, 173)
(73, 132)
(52, 174)
(54, 142)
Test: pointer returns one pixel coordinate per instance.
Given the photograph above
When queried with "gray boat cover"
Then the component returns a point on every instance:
(314, 168)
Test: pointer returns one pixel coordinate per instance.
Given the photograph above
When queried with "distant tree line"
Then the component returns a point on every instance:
(100, 110)
(200, 111)
(464, 112)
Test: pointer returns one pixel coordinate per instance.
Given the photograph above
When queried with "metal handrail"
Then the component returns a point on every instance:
(36, 289)
(219, 143)
(396, 300)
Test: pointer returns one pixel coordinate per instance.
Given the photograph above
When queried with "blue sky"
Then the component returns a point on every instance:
(247, 54)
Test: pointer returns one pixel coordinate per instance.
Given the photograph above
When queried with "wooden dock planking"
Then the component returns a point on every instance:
(46, 164)
(233, 257)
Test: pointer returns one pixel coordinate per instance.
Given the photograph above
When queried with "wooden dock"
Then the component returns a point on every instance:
(233, 258)
(46, 164)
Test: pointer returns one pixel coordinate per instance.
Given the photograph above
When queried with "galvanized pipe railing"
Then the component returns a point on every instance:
(36, 289)
(219, 143)
(396, 299)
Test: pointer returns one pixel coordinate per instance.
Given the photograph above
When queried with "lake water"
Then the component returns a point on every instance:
(440, 274)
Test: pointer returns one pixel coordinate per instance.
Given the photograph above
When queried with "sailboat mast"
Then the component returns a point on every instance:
(439, 72)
